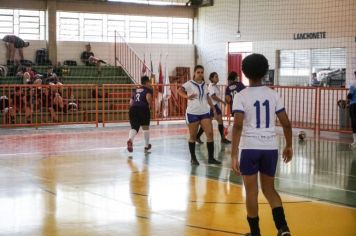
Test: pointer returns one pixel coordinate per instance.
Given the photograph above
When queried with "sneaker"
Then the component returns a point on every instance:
(353, 145)
(129, 145)
(199, 141)
(284, 231)
(214, 161)
(225, 141)
(149, 146)
(194, 162)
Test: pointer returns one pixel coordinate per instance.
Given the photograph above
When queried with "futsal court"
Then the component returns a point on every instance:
(82, 181)
(68, 69)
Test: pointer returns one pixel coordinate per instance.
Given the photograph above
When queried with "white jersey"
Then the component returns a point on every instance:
(213, 89)
(260, 106)
(199, 105)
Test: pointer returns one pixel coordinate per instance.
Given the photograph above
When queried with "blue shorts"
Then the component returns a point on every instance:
(218, 110)
(254, 160)
(190, 118)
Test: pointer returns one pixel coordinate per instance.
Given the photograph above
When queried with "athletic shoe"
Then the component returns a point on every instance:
(213, 161)
(148, 147)
(199, 141)
(284, 231)
(353, 145)
(225, 141)
(194, 162)
(129, 145)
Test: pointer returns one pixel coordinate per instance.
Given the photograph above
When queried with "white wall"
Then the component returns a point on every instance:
(270, 25)
(29, 52)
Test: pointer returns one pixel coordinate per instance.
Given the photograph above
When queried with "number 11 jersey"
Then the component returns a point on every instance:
(259, 105)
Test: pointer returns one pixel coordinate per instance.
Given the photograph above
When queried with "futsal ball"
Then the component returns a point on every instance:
(302, 135)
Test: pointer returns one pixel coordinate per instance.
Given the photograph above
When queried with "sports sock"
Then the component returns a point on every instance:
(132, 134)
(200, 132)
(210, 146)
(279, 217)
(146, 135)
(254, 225)
(221, 131)
(192, 150)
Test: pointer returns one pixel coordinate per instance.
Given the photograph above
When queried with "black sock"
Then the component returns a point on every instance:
(210, 146)
(254, 225)
(221, 131)
(192, 150)
(200, 132)
(279, 217)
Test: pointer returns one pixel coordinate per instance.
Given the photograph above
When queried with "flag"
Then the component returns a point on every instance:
(166, 91)
(151, 64)
(160, 77)
(144, 67)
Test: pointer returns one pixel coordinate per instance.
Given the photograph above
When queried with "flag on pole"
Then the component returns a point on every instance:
(151, 64)
(144, 67)
(166, 90)
(160, 76)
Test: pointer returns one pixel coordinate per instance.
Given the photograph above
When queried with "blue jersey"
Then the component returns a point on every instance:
(139, 96)
(232, 89)
(352, 93)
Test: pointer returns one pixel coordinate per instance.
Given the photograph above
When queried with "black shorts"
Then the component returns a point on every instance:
(139, 116)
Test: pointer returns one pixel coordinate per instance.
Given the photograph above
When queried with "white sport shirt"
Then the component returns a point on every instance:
(260, 106)
(213, 89)
(199, 105)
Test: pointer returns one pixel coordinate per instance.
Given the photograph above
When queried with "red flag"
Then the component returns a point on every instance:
(160, 78)
(144, 67)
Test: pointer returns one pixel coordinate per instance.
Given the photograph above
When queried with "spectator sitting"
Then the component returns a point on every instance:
(72, 103)
(8, 111)
(47, 103)
(50, 77)
(22, 103)
(12, 43)
(29, 75)
(89, 59)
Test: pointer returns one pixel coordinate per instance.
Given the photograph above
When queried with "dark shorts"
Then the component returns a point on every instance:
(218, 110)
(190, 118)
(139, 116)
(254, 160)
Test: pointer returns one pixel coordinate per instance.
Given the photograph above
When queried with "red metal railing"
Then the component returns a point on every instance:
(39, 105)
(333, 110)
(129, 60)
(301, 105)
(319, 109)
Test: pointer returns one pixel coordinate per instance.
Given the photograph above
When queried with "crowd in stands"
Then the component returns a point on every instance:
(25, 101)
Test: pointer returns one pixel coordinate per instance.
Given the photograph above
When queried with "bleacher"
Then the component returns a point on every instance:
(80, 75)
(115, 108)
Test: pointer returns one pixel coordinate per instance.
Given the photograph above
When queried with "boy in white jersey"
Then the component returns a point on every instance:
(198, 113)
(255, 109)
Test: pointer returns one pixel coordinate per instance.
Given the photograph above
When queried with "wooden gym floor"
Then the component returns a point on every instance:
(82, 181)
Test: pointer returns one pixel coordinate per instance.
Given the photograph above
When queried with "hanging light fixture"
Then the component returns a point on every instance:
(238, 33)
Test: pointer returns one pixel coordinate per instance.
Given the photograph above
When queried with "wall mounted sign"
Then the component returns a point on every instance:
(315, 35)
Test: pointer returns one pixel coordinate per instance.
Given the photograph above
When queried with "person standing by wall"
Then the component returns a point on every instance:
(12, 43)
(352, 101)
